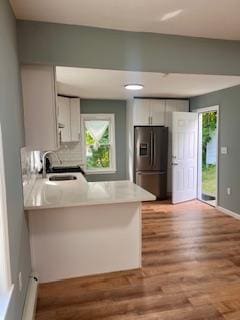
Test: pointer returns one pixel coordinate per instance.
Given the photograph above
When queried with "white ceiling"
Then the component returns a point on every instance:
(200, 18)
(109, 84)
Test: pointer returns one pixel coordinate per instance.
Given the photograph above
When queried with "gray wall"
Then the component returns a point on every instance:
(229, 126)
(12, 127)
(68, 45)
(118, 107)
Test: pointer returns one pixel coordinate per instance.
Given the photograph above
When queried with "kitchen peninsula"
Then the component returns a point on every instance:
(80, 228)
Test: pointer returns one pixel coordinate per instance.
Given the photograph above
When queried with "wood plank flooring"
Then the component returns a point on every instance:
(191, 271)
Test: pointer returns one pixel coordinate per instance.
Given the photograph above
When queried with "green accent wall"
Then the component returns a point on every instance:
(118, 107)
(229, 125)
(78, 46)
(13, 138)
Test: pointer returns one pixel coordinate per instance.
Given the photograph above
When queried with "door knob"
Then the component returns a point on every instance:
(174, 164)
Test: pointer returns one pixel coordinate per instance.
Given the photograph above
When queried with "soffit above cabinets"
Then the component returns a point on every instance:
(208, 19)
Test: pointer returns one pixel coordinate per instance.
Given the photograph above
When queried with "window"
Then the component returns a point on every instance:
(99, 143)
(5, 279)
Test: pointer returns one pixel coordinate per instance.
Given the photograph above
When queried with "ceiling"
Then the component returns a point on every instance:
(109, 84)
(199, 18)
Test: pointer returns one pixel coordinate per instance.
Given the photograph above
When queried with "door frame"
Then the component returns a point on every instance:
(199, 170)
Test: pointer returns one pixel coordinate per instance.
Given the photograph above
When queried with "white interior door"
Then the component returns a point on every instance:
(184, 156)
(172, 105)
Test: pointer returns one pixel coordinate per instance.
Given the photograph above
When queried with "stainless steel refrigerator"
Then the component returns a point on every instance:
(151, 159)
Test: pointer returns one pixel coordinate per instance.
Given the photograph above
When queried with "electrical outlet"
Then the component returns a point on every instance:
(20, 281)
(224, 150)
(228, 191)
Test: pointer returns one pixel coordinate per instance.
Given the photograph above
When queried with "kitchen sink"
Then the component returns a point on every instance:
(62, 177)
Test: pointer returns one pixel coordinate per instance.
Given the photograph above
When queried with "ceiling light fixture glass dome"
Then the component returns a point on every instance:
(134, 86)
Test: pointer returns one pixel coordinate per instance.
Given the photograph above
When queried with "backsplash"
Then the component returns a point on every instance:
(69, 153)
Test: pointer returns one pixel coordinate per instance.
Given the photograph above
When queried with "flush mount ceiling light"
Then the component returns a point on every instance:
(134, 86)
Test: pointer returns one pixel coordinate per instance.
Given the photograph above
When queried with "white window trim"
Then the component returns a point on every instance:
(6, 288)
(97, 116)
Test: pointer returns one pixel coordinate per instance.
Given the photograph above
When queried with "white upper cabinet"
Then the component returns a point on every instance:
(69, 119)
(148, 112)
(157, 112)
(173, 105)
(64, 119)
(75, 118)
(39, 103)
(141, 112)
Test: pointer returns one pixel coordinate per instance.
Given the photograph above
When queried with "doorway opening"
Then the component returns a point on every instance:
(208, 155)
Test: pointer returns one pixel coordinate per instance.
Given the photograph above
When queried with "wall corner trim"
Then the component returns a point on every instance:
(229, 212)
(31, 298)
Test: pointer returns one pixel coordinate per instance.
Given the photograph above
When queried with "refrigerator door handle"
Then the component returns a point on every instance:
(152, 148)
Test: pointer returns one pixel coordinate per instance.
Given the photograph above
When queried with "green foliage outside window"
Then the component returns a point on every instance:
(209, 125)
(98, 153)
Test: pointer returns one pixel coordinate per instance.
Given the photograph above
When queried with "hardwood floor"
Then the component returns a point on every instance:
(191, 271)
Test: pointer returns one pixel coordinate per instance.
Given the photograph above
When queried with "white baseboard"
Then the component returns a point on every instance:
(31, 299)
(229, 212)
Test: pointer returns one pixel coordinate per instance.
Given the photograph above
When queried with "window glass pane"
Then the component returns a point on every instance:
(97, 129)
(97, 137)
(98, 158)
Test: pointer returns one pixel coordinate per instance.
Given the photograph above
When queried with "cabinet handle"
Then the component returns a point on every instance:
(60, 136)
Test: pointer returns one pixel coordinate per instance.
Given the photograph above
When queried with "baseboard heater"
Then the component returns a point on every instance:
(31, 299)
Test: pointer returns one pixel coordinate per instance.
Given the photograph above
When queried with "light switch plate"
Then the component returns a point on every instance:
(224, 150)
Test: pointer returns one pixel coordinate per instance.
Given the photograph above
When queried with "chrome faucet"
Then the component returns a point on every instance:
(44, 172)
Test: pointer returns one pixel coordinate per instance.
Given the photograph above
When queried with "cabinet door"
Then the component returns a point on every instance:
(141, 112)
(75, 119)
(64, 119)
(39, 103)
(175, 106)
(157, 112)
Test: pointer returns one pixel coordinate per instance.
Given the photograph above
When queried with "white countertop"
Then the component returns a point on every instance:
(47, 194)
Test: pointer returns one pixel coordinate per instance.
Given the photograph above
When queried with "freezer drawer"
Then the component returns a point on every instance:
(154, 182)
